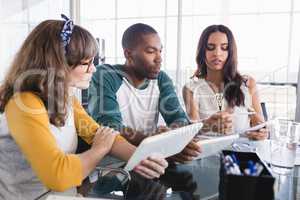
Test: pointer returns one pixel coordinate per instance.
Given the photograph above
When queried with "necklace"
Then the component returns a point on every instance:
(218, 94)
(219, 99)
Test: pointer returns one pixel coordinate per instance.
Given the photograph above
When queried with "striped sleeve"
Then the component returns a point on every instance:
(103, 104)
(169, 105)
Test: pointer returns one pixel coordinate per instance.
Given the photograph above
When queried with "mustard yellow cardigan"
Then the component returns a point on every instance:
(28, 123)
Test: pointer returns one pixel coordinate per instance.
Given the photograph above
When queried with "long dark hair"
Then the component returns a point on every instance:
(232, 78)
(42, 67)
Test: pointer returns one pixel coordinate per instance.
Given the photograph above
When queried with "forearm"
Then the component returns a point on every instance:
(122, 149)
(133, 136)
(178, 124)
(90, 159)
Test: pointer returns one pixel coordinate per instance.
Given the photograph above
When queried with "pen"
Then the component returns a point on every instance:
(231, 165)
(259, 170)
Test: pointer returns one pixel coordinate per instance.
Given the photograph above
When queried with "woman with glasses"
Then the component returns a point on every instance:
(41, 117)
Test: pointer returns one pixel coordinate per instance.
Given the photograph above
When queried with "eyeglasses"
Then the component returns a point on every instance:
(88, 64)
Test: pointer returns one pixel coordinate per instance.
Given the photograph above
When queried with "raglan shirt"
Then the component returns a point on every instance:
(36, 156)
(115, 102)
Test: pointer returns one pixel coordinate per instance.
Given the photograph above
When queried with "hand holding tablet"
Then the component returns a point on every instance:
(164, 145)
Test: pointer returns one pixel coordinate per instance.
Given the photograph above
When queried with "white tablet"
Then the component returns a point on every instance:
(254, 128)
(210, 145)
(165, 144)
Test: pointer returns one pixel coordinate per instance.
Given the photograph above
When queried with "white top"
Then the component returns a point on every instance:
(139, 107)
(205, 98)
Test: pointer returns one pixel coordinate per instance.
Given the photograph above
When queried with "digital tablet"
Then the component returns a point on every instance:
(254, 128)
(211, 145)
(164, 145)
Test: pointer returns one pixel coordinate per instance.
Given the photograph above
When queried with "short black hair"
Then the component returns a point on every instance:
(133, 34)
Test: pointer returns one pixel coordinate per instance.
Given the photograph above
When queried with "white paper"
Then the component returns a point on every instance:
(254, 128)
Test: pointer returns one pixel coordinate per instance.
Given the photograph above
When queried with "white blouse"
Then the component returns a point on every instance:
(207, 101)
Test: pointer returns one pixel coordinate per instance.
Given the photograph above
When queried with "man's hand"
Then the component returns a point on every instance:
(136, 137)
(161, 129)
(220, 122)
(189, 153)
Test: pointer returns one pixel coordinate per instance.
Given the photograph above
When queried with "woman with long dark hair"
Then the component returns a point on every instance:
(217, 86)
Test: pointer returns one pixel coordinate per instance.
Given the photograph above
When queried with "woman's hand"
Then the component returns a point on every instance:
(104, 139)
(220, 122)
(152, 167)
(102, 144)
(261, 134)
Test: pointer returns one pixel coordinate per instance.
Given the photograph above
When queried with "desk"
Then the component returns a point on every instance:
(197, 180)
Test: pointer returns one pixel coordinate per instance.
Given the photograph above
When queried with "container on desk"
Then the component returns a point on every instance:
(243, 187)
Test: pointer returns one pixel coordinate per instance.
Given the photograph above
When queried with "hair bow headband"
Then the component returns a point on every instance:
(66, 31)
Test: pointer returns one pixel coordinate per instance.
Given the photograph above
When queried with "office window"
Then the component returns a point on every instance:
(161, 14)
(18, 18)
(261, 49)
(296, 5)
(97, 9)
(140, 8)
(266, 31)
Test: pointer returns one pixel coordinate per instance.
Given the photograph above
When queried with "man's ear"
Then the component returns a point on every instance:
(127, 53)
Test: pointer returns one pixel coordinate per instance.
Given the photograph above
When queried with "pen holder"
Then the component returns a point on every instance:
(244, 187)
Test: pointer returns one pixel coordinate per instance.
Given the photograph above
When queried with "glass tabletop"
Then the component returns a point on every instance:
(197, 180)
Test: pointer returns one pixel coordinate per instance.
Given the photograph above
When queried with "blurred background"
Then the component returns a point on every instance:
(267, 33)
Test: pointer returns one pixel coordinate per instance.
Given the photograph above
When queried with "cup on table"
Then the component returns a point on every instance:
(284, 138)
(241, 120)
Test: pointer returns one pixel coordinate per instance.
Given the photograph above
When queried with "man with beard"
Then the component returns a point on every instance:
(130, 97)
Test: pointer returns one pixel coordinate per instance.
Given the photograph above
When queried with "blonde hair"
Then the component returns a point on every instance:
(42, 67)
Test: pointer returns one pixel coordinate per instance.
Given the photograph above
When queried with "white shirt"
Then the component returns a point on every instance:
(205, 98)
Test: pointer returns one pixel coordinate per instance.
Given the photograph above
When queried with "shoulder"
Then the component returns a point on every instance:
(193, 83)
(28, 99)
(163, 76)
(250, 82)
(108, 75)
(26, 102)
(109, 71)
(164, 80)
